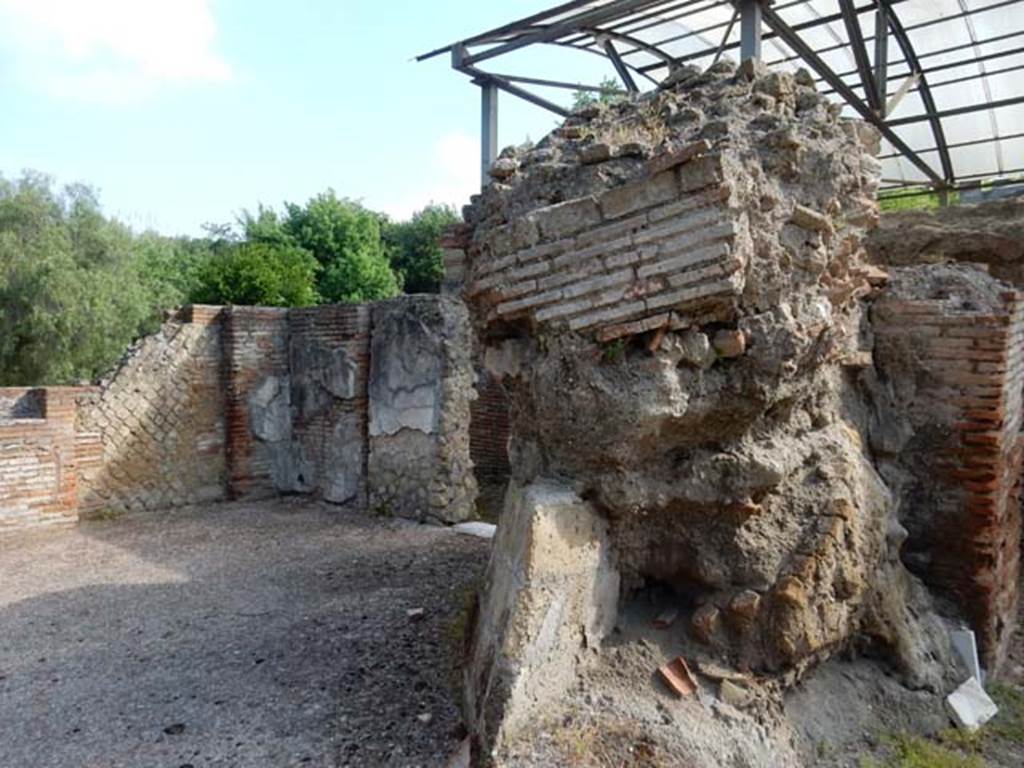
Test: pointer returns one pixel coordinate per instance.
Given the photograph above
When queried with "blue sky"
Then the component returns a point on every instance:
(182, 112)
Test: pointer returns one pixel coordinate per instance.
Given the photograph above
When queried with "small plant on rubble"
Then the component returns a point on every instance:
(615, 351)
(610, 93)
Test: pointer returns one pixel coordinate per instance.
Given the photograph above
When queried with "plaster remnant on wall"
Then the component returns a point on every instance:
(421, 387)
(405, 374)
(343, 467)
(270, 409)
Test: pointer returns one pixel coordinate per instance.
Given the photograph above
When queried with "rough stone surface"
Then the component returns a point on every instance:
(988, 233)
(550, 592)
(420, 392)
(735, 481)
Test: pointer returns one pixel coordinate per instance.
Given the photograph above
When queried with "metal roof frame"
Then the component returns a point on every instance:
(621, 31)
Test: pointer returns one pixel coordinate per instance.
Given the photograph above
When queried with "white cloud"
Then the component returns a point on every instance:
(451, 176)
(112, 49)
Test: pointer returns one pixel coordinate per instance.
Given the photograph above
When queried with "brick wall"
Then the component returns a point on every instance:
(329, 350)
(38, 470)
(621, 262)
(489, 431)
(239, 402)
(952, 349)
(153, 435)
(255, 344)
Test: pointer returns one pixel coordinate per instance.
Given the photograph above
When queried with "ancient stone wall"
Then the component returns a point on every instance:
(420, 390)
(38, 467)
(950, 350)
(158, 422)
(988, 233)
(672, 290)
(250, 402)
(329, 350)
(258, 400)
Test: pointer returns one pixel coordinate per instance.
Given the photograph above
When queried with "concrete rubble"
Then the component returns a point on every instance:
(675, 294)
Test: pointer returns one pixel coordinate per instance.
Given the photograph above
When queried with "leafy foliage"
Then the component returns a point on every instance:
(257, 274)
(343, 237)
(413, 248)
(914, 198)
(611, 92)
(76, 288)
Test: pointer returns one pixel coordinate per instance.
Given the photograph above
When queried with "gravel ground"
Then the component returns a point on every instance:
(270, 634)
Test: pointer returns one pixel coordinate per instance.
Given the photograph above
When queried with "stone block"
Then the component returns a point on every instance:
(568, 218)
(551, 590)
(636, 196)
(970, 707)
(700, 172)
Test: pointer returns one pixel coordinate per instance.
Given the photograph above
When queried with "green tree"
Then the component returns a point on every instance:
(413, 247)
(74, 289)
(258, 274)
(611, 92)
(343, 236)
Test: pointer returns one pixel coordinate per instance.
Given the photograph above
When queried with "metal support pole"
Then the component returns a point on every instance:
(750, 29)
(488, 129)
(882, 56)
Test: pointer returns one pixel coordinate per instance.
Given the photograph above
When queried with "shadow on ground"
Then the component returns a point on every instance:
(272, 634)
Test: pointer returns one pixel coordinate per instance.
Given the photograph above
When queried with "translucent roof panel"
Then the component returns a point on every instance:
(951, 102)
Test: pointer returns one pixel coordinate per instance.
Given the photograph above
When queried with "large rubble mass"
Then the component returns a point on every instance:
(673, 289)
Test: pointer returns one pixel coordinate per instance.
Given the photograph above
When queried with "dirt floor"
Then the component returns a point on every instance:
(271, 634)
(280, 634)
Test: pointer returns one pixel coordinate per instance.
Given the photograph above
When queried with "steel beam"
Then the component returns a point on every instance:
(620, 66)
(767, 35)
(507, 28)
(790, 37)
(568, 26)
(923, 90)
(750, 29)
(860, 53)
(725, 37)
(488, 129)
(555, 84)
(881, 56)
(979, 107)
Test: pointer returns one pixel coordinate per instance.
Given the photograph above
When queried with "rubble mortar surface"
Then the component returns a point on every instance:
(673, 288)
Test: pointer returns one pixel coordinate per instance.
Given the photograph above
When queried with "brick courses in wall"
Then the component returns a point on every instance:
(152, 436)
(489, 431)
(238, 402)
(957, 366)
(638, 253)
(329, 351)
(38, 458)
(255, 342)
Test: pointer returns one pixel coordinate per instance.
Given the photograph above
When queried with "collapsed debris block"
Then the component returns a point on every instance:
(970, 707)
(682, 329)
